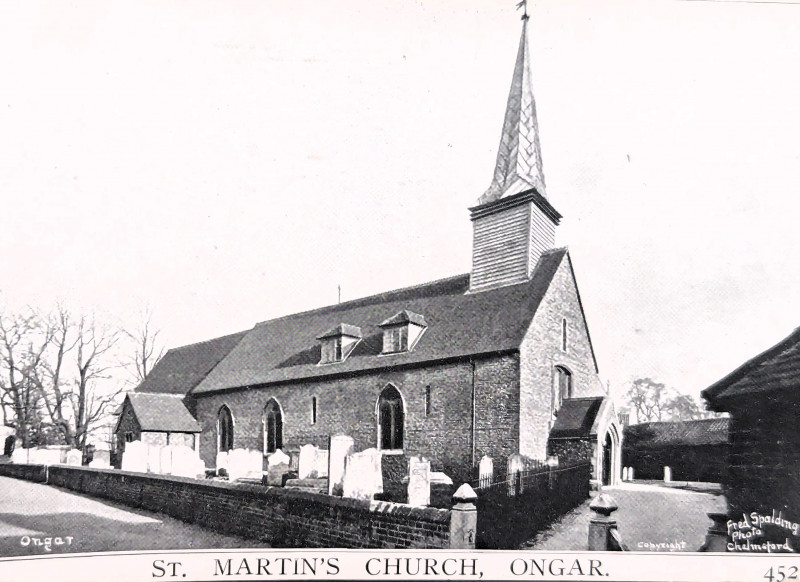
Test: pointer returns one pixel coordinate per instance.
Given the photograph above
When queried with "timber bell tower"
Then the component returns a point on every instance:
(513, 223)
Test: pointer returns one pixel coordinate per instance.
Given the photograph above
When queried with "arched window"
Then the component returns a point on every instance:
(390, 419)
(564, 384)
(224, 430)
(273, 427)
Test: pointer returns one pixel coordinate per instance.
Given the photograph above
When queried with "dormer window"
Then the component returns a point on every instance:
(402, 331)
(338, 342)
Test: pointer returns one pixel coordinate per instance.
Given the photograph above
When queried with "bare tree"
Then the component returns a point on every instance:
(648, 399)
(91, 402)
(148, 349)
(74, 380)
(23, 344)
(683, 407)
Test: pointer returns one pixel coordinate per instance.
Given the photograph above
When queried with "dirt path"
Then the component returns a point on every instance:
(30, 511)
(650, 518)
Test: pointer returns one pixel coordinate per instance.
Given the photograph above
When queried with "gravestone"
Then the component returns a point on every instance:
(667, 474)
(222, 461)
(277, 467)
(134, 458)
(624, 473)
(186, 462)
(362, 475)
(153, 458)
(101, 460)
(19, 455)
(630, 474)
(419, 482)
(340, 446)
(46, 457)
(74, 458)
(514, 469)
(307, 465)
(485, 472)
(165, 465)
(245, 464)
(321, 464)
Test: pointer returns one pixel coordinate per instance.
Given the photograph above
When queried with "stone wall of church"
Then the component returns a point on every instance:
(541, 352)
(348, 406)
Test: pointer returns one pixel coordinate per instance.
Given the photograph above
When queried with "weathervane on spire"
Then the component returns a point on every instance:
(524, 5)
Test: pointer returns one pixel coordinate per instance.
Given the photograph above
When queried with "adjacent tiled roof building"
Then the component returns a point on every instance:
(694, 450)
(762, 397)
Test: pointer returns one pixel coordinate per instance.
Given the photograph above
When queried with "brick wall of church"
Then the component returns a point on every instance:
(348, 405)
(497, 407)
(541, 352)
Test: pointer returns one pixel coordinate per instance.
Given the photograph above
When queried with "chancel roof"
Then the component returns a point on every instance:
(181, 369)
(459, 324)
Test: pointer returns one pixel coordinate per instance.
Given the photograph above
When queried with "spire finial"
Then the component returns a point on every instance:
(524, 5)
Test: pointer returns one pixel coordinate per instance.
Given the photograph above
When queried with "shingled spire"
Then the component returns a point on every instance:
(519, 157)
(514, 223)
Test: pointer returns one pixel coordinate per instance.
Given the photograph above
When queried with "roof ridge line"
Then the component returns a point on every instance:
(208, 341)
(748, 366)
(347, 303)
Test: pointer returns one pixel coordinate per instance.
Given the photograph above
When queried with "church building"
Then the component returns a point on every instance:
(493, 362)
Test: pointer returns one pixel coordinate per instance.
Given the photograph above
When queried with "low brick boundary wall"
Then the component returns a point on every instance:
(36, 473)
(280, 517)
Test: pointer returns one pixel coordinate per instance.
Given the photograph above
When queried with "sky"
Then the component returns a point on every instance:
(222, 163)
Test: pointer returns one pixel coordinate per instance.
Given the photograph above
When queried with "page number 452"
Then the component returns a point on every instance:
(781, 573)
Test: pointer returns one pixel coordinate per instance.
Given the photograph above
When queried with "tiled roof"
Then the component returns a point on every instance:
(181, 369)
(162, 413)
(342, 329)
(404, 316)
(778, 368)
(576, 417)
(460, 324)
(708, 431)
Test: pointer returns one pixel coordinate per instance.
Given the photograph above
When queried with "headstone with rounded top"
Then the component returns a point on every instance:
(419, 482)
(101, 460)
(74, 458)
(485, 471)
